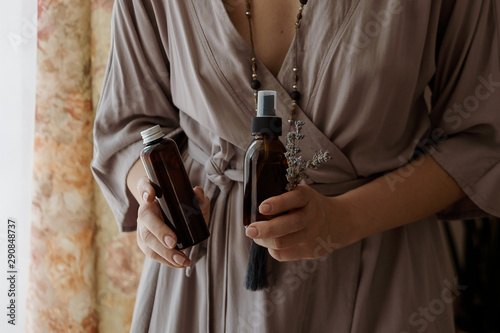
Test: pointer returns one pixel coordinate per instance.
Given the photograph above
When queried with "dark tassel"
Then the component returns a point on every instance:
(256, 278)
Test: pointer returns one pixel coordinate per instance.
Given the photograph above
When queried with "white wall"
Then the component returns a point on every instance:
(17, 109)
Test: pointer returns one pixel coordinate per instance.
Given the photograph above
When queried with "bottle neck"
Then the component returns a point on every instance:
(154, 142)
(266, 136)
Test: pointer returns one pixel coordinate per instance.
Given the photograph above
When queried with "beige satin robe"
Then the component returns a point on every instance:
(364, 68)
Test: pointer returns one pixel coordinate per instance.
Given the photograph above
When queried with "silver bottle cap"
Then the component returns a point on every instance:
(152, 134)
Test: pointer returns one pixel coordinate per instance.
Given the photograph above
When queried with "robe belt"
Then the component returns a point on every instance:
(215, 173)
(223, 178)
(334, 189)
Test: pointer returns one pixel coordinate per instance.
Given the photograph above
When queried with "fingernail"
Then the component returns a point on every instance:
(252, 232)
(170, 241)
(145, 196)
(179, 259)
(265, 208)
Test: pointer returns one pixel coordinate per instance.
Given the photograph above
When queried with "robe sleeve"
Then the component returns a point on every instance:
(466, 105)
(135, 96)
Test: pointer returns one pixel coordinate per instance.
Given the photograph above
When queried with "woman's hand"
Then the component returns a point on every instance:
(317, 225)
(314, 226)
(154, 237)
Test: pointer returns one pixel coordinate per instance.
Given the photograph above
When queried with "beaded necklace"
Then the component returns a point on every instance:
(255, 83)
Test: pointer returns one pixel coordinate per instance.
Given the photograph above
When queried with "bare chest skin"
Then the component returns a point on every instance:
(273, 26)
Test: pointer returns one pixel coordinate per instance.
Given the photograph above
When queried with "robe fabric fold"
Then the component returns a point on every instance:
(365, 67)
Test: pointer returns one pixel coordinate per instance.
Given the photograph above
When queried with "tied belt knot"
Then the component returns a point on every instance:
(216, 166)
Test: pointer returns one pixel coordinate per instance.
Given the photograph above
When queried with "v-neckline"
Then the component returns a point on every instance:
(237, 37)
(267, 79)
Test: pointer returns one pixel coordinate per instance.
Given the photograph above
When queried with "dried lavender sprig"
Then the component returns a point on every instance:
(297, 167)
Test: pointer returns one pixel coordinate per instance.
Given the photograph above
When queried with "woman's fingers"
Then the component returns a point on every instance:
(203, 202)
(295, 253)
(304, 222)
(277, 227)
(146, 190)
(156, 239)
(295, 239)
(158, 252)
(149, 214)
(297, 198)
(280, 233)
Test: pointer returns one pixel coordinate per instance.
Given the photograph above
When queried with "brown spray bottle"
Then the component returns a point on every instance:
(264, 177)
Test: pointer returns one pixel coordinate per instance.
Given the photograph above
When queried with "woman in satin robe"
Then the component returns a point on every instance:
(361, 249)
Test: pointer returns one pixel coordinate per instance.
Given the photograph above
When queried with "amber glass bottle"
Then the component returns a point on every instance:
(178, 204)
(265, 161)
(264, 177)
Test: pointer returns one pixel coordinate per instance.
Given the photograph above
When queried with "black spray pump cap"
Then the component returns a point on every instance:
(266, 121)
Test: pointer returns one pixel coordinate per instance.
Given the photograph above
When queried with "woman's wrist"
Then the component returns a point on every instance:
(344, 220)
(376, 207)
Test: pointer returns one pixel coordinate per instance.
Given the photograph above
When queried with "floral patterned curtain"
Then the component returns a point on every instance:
(83, 273)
